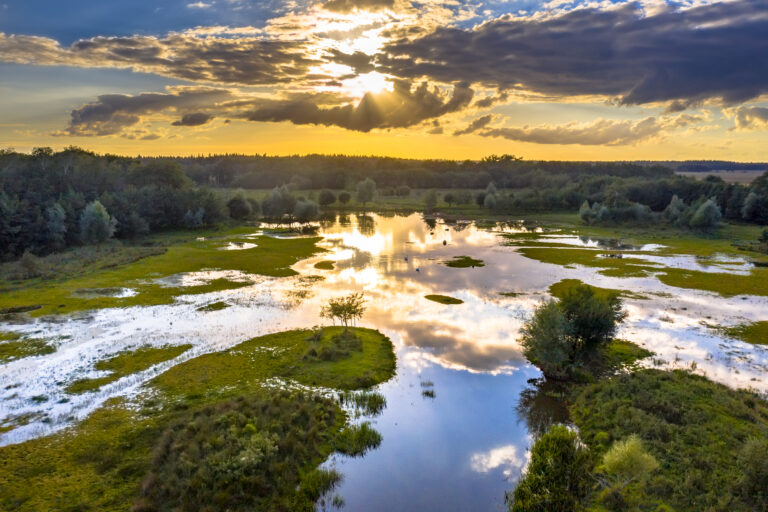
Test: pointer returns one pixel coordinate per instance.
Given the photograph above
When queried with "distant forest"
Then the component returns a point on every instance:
(53, 200)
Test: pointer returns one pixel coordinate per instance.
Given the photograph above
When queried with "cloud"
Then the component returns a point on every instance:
(112, 113)
(751, 118)
(195, 119)
(198, 5)
(399, 108)
(233, 60)
(715, 51)
(346, 6)
(599, 132)
(502, 456)
(480, 122)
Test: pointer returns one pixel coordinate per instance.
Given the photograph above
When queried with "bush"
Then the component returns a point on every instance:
(546, 340)
(707, 216)
(366, 191)
(344, 197)
(594, 318)
(305, 211)
(559, 474)
(326, 197)
(239, 208)
(753, 461)
(627, 461)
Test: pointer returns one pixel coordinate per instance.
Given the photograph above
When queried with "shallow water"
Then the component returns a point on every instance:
(458, 451)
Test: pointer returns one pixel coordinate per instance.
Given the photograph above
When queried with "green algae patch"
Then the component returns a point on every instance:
(560, 288)
(443, 299)
(14, 346)
(464, 262)
(324, 265)
(273, 257)
(755, 332)
(180, 444)
(127, 363)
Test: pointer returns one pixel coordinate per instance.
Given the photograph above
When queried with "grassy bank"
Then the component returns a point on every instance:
(211, 407)
(94, 286)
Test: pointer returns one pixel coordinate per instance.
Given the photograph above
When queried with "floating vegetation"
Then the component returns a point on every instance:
(324, 265)
(464, 262)
(370, 403)
(214, 306)
(443, 299)
(510, 294)
(356, 440)
(755, 332)
(560, 288)
(428, 393)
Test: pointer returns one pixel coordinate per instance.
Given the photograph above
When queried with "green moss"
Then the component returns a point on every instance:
(324, 265)
(464, 262)
(126, 363)
(14, 346)
(691, 425)
(443, 299)
(755, 332)
(100, 463)
(272, 257)
(560, 288)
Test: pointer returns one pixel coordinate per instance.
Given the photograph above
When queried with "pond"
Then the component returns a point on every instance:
(454, 438)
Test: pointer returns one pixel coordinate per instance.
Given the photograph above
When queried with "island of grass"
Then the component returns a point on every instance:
(184, 253)
(324, 265)
(230, 430)
(214, 306)
(443, 299)
(464, 262)
(755, 333)
(560, 288)
(15, 346)
(126, 363)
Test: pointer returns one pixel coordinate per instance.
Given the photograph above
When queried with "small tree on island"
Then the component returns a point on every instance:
(345, 309)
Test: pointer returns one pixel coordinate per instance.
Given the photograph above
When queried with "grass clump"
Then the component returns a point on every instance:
(370, 403)
(464, 262)
(755, 332)
(214, 306)
(334, 347)
(120, 455)
(14, 346)
(126, 363)
(428, 393)
(324, 265)
(562, 288)
(443, 299)
(243, 454)
(356, 440)
(693, 427)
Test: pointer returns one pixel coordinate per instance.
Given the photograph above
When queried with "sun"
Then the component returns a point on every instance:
(368, 83)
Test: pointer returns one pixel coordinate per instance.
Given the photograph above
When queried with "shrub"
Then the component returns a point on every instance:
(366, 191)
(239, 208)
(559, 474)
(326, 197)
(627, 461)
(344, 197)
(594, 318)
(546, 340)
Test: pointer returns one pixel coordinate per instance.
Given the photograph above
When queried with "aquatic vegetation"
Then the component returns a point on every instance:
(691, 425)
(755, 332)
(464, 262)
(561, 288)
(214, 306)
(356, 440)
(324, 265)
(370, 403)
(428, 393)
(272, 257)
(121, 455)
(14, 346)
(443, 299)
(126, 363)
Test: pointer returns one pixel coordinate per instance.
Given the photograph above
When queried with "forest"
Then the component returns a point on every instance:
(53, 200)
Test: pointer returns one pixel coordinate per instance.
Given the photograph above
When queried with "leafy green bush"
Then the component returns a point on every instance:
(594, 317)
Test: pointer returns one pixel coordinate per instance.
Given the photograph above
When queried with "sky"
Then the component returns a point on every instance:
(457, 79)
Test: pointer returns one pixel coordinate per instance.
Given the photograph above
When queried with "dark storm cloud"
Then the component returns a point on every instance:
(194, 119)
(713, 51)
(480, 122)
(600, 132)
(241, 60)
(399, 108)
(359, 61)
(350, 5)
(112, 113)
